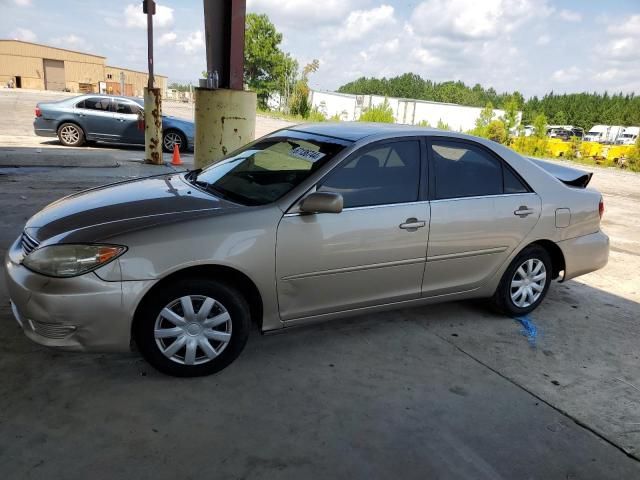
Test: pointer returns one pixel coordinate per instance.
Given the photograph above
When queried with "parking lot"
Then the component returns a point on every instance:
(450, 390)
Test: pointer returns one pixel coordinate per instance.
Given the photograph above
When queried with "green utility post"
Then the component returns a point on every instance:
(152, 98)
(225, 115)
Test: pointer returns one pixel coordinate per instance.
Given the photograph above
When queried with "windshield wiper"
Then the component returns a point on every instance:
(218, 192)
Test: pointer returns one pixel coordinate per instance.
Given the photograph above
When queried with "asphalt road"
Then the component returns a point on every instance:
(445, 391)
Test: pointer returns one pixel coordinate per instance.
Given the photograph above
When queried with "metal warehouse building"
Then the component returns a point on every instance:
(40, 67)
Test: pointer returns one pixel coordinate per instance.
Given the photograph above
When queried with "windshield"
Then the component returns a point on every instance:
(264, 171)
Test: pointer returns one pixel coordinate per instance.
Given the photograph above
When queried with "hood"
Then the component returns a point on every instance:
(100, 213)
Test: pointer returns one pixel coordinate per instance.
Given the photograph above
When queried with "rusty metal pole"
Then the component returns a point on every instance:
(225, 115)
(150, 11)
(152, 98)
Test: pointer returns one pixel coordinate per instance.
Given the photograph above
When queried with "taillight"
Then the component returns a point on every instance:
(601, 208)
(38, 112)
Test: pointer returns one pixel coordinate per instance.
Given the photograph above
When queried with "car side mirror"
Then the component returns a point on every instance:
(322, 202)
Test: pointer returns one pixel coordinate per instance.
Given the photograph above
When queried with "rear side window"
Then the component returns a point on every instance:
(512, 184)
(384, 174)
(464, 170)
(125, 107)
(95, 103)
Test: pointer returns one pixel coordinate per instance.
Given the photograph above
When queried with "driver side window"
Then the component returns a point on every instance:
(386, 173)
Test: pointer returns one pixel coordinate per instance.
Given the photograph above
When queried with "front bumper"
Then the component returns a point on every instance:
(82, 313)
(584, 254)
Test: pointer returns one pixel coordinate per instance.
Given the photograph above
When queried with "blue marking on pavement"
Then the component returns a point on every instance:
(529, 329)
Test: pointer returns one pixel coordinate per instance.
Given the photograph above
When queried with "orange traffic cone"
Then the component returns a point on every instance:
(176, 156)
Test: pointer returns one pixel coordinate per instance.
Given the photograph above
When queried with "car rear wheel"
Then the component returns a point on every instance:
(171, 138)
(525, 283)
(192, 327)
(70, 135)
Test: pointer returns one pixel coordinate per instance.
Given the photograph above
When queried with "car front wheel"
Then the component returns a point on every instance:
(192, 327)
(70, 135)
(525, 282)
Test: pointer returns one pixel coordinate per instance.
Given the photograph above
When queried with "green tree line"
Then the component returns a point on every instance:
(579, 109)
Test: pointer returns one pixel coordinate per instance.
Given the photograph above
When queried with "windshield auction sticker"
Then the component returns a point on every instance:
(305, 154)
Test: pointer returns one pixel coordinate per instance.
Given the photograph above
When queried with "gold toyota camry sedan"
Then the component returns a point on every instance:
(309, 223)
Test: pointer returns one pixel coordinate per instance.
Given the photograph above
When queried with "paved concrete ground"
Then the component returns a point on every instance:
(446, 391)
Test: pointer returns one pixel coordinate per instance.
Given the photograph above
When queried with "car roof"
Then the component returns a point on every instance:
(137, 100)
(355, 131)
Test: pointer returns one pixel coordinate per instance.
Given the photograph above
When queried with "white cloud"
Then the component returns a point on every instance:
(303, 13)
(23, 34)
(193, 43)
(624, 48)
(134, 18)
(426, 57)
(360, 22)
(167, 38)
(543, 40)
(473, 19)
(570, 15)
(71, 41)
(22, 3)
(624, 40)
(630, 27)
(384, 48)
(567, 75)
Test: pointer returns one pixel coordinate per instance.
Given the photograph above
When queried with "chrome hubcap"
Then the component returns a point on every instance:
(193, 330)
(172, 139)
(528, 283)
(70, 134)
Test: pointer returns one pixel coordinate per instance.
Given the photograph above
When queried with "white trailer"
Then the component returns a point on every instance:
(349, 107)
(604, 133)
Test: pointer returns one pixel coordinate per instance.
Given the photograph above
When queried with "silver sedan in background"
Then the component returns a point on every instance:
(309, 223)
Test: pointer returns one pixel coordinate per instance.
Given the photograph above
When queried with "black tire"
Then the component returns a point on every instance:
(165, 139)
(71, 135)
(502, 299)
(149, 312)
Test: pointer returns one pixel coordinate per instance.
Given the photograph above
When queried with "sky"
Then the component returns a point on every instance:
(533, 46)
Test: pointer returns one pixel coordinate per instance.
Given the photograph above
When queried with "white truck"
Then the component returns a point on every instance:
(629, 136)
(603, 133)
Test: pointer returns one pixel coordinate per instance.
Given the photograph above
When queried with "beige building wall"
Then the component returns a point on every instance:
(25, 60)
(30, 69)
(137, 79)
(80, 72)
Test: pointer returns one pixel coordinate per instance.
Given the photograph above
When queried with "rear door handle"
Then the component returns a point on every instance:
(412, 224)
(523, 211)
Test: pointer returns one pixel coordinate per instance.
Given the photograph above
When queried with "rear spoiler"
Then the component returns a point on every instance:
(572, 177)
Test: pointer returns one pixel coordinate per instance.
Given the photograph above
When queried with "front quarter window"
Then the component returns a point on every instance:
(266, 170)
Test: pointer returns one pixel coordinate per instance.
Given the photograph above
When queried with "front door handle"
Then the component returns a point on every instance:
(523, 211)
(412, 224)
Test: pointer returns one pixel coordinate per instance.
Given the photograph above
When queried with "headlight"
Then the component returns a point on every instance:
(67, 260)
